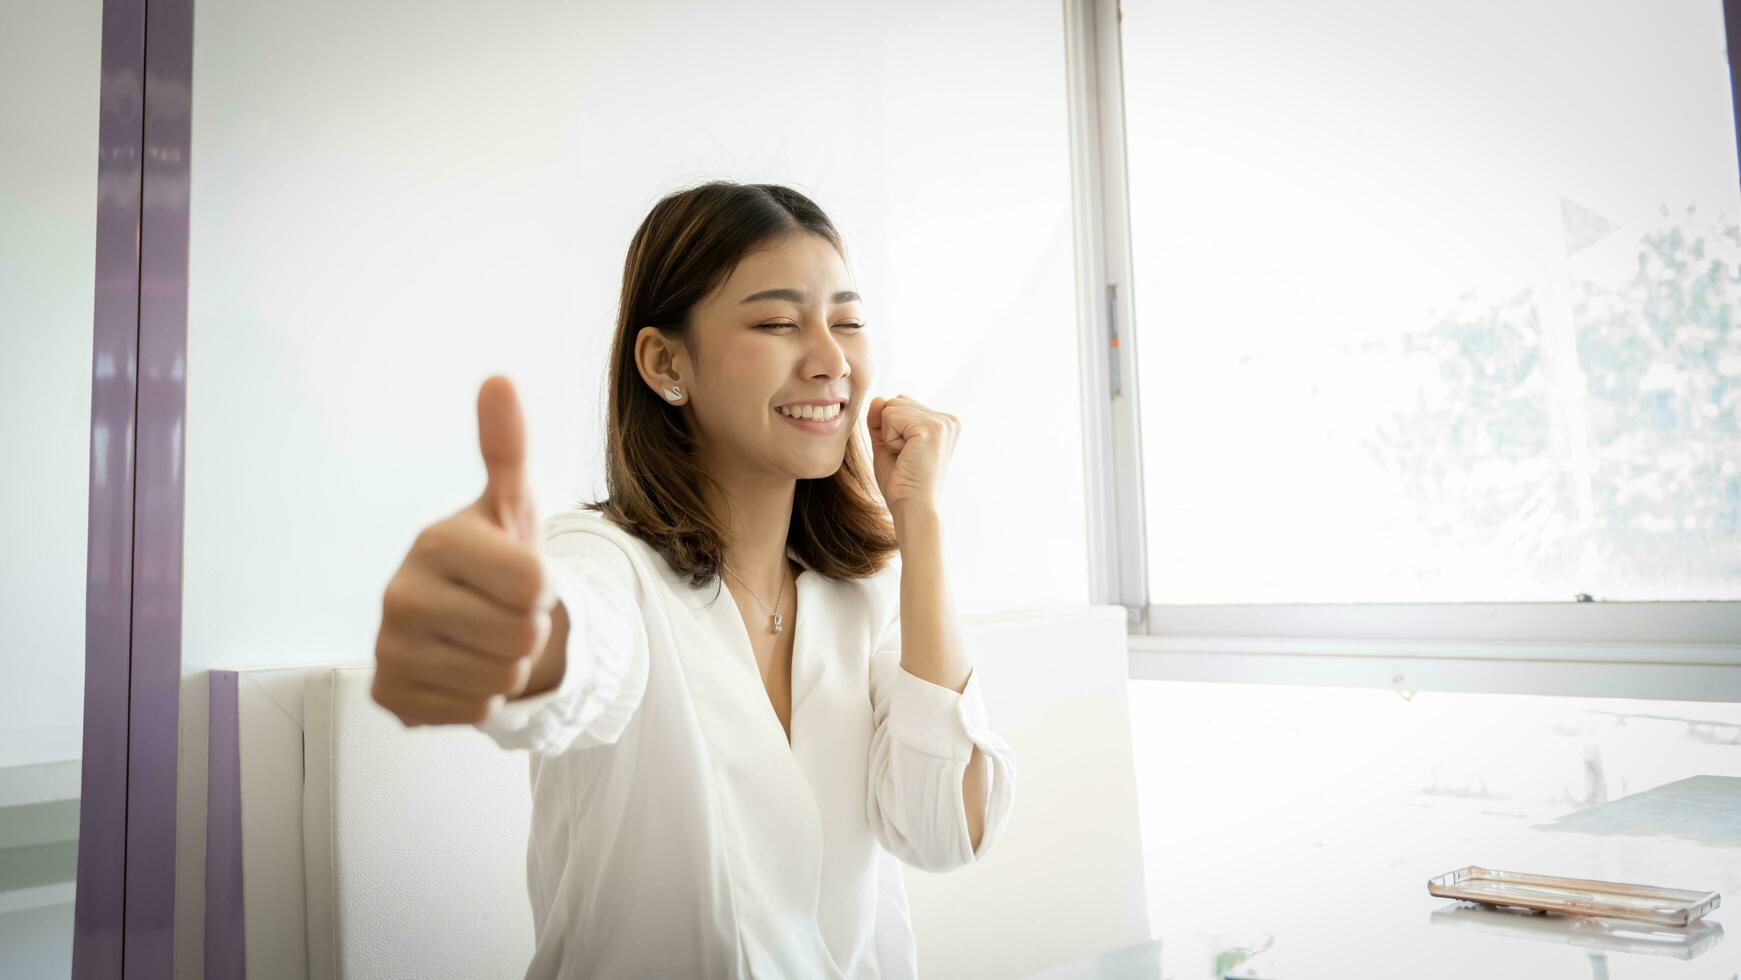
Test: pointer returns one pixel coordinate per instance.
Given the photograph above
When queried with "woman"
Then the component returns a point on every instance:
(688, 821)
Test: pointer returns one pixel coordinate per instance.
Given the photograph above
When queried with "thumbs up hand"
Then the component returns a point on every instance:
(469, 619)
(507, 501)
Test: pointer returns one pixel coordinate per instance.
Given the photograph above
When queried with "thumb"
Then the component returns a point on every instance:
(507, 499)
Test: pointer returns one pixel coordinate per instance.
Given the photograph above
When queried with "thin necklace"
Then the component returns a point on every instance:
(774, 614)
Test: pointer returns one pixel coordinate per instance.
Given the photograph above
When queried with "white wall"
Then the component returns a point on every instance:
(50, 56)
(49, 59)
(391, 202)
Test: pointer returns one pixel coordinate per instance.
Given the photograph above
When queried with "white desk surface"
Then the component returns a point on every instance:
(1279, 851)
(1328, 918)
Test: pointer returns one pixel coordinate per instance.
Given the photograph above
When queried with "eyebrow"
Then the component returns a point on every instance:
(795, 296)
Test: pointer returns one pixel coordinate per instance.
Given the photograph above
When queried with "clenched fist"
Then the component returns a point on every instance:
(911, 448)
(469, 619)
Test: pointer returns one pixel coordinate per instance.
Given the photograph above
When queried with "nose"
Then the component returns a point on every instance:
(824, 358)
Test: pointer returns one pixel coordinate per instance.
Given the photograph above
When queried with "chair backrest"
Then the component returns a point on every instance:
(414, 842)
(1066, 880)
(371, 850)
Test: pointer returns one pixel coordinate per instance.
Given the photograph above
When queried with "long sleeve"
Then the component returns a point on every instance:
(605, 674)
(923, 739)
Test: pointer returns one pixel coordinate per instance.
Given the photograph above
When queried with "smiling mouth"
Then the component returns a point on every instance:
(817, 420)
(815, 413)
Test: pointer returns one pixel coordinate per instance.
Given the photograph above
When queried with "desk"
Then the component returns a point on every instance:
(1296, 884)
(1329, 919)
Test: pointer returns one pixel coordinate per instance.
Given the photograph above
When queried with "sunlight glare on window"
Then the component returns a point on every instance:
(1436, 303)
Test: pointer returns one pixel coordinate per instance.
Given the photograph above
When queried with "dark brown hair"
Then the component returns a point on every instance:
(689, 243)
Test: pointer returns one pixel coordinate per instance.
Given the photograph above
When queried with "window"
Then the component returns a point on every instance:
(1433, 314)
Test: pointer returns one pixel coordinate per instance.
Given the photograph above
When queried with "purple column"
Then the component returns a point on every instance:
(157, 494)
(125, 900)
(100, 899)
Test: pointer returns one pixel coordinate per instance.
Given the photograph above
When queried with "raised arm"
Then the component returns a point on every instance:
(941, 781)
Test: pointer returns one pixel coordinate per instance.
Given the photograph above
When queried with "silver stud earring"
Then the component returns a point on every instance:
(673, 393)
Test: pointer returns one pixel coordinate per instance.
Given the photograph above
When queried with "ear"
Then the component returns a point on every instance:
(662, 361)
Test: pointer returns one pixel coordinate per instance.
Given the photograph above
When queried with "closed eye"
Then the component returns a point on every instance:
(851, 324)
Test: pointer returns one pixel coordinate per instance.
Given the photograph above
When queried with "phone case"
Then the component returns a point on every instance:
(1575, 896)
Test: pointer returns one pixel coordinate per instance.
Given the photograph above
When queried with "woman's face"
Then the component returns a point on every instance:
(783, 363)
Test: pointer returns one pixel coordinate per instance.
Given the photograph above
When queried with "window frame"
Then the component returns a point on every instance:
(1579, 647)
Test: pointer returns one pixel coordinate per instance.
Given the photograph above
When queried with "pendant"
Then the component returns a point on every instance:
(777, 622)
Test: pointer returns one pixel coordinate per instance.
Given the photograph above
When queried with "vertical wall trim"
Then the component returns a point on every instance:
(100, 898)
(224, 928)
(158, 493)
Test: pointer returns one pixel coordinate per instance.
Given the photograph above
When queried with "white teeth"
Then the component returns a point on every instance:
(815, 413)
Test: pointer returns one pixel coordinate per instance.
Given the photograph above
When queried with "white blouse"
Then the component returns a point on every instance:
(675, 833)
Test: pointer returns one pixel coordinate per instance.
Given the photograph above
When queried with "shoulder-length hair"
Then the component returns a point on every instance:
(688, 244)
